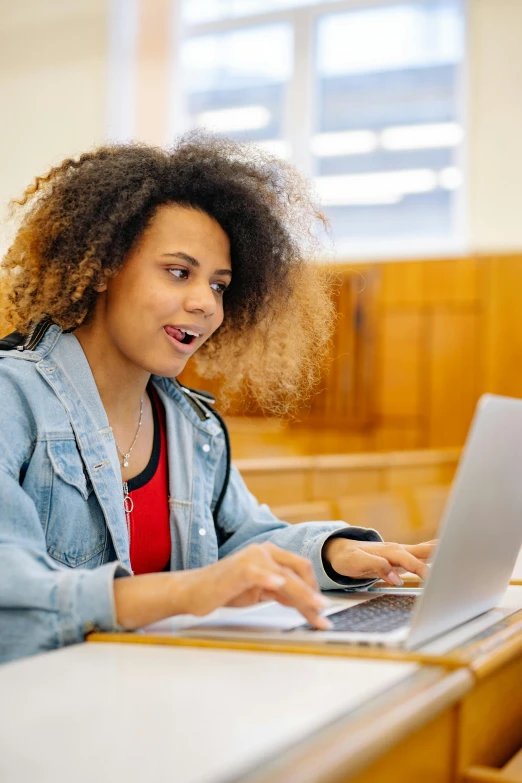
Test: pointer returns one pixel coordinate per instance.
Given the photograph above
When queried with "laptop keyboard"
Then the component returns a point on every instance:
(378, 615)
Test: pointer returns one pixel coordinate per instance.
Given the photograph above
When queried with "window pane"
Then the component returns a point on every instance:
(387, 132)
(200, 11)
(233, 88)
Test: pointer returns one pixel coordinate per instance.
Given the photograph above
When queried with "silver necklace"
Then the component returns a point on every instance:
(127, 455)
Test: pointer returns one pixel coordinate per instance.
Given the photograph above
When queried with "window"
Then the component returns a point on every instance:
(232, 87)
(364, 96)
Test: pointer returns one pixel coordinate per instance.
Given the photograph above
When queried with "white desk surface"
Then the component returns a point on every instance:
(109, 712)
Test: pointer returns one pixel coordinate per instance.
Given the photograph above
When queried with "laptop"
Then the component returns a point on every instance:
(480, 538)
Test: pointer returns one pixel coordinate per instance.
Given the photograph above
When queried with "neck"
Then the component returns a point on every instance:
(121, 384)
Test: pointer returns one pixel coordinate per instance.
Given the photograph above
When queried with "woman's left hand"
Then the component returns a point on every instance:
(377, 559)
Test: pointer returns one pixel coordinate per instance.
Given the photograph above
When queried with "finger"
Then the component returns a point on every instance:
(298, 594)
(314, 617)
(237, 576)
(255, 576)
(253, 596)
(399, 556)
(364, 565)
(424, 551)
(299, 565)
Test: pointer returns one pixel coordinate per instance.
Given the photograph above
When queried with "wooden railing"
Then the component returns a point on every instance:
(401, 494)
(299, 479)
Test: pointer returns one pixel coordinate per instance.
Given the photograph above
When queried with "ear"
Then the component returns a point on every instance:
(100, 287)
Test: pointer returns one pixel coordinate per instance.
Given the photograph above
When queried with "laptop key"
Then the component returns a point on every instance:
(378, 615)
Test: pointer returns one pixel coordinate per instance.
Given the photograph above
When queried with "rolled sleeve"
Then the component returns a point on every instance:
(44, 605)
(327, 578)
(86, 601)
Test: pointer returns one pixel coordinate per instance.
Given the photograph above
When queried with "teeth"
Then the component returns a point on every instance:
(194, 334)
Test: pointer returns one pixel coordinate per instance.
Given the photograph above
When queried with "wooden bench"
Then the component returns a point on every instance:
(407, 517)
(289, 480)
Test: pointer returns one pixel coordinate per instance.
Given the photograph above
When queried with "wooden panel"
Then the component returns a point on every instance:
(503, 349)
(454, 375)
(514, 767)
(398, 476)
(407, 516)
(426, 756)
(429, 503)
(278, 488)
(451, 282)
(400, 363)
(314, 511)
(491, 719)
(332, 483)
(328, 441)
(413, 351)
(401, 284)
(347, 390)
(424, 283)
(294, 480)
(388, 513)
(395, 435)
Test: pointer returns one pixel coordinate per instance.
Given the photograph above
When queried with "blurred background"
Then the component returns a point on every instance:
(406, 115)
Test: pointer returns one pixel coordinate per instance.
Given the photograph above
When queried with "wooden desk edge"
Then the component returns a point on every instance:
(491, 649)
(345, 749)
(338, 650)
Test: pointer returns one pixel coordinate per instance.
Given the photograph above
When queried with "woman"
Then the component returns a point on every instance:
(118, 506)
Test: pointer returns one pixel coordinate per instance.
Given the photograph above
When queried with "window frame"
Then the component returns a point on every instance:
(299, 124)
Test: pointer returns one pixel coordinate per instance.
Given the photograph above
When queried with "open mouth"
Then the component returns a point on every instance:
(181, 336)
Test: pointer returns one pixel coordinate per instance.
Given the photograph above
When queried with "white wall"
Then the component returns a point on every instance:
(53, 76)
(495, 125)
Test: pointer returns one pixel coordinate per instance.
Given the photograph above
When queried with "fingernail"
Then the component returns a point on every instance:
(276, 581)
(324, 624)
(394, 578)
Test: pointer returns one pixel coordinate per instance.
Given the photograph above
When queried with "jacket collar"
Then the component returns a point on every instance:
(63, 365)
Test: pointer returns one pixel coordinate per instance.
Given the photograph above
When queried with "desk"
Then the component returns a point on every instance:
(489, 722)
(109, 712)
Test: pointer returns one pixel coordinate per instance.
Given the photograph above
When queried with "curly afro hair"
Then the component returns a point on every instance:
(79, 222)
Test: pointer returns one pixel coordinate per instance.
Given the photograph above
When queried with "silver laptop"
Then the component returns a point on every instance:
(480, 538)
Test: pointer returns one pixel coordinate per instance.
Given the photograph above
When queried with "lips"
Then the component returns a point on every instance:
(177, 334)
(185, 335)
(182, 341)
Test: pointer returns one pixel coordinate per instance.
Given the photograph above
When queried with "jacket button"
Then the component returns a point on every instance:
(205, 447)
(202, 531)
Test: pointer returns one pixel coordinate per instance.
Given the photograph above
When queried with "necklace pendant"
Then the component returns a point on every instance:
(125, 463)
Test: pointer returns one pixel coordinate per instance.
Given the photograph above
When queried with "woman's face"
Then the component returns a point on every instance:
(167, 299)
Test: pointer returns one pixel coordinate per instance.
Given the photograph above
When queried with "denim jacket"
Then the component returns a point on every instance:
(63, 533)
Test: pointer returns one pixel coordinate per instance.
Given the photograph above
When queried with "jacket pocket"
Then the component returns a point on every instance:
(76, 533)
(67, 463)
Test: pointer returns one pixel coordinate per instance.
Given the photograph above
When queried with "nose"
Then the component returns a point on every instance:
(200, 298)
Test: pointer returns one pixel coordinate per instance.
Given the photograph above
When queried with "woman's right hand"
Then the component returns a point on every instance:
(259, 572)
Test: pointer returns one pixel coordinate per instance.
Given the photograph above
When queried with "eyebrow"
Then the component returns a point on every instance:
(194, 262)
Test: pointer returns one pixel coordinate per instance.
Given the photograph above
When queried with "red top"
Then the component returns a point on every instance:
(149, 528)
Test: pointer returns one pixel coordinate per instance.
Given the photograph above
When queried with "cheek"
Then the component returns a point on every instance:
(217, 320)
(154, 305)
(155, 297)
(220, 314)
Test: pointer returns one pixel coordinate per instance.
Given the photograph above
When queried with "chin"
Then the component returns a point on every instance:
(168, 370)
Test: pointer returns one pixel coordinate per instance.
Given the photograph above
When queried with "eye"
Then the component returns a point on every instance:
(219, 288)
(180, 274)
